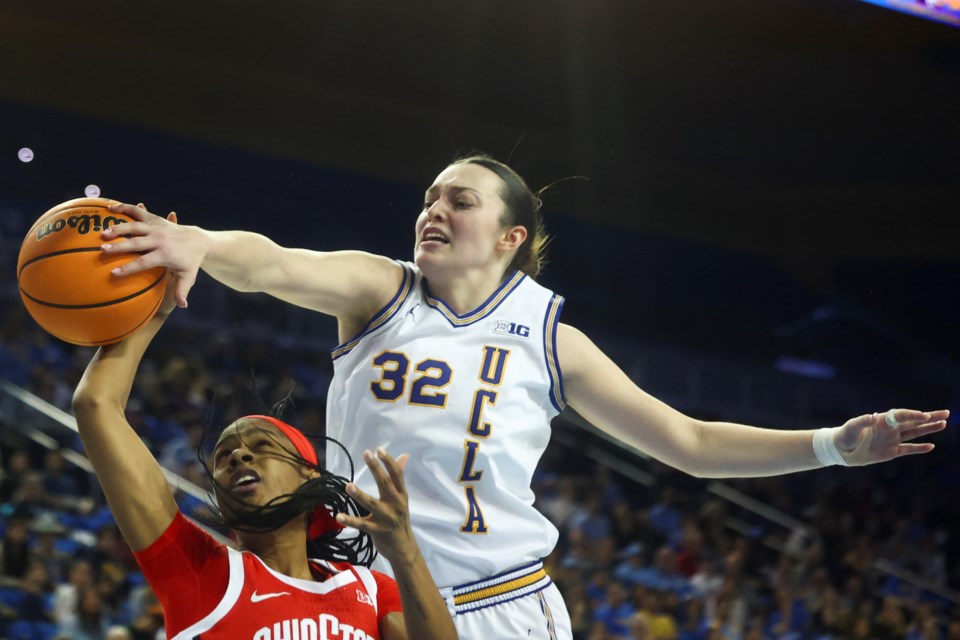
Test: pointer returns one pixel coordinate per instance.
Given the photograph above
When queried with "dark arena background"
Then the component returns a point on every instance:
(766, 233)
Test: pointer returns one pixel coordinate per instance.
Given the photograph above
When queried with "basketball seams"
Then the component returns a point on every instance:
(51, 255)
(95, 305)
(104, 341)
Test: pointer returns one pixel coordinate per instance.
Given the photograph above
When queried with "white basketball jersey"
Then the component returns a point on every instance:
(470, 398)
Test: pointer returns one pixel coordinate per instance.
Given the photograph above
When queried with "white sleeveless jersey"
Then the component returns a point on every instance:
(470, 398)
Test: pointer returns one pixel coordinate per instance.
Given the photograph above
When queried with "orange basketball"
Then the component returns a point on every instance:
(65, 279)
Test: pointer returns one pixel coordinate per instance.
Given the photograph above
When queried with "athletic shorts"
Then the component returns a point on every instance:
(520, 603)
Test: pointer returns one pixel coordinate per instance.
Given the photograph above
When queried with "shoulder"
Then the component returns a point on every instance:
(579, 356)
(572, 345)
(182, 539)
(382, 578)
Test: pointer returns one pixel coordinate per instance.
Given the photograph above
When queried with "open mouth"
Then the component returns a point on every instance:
(244, 482)
(432, 236)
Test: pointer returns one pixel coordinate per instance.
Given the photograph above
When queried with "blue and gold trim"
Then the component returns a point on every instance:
(378, 320)
(550, 323)
(481, 312)
(503, 587)
(548, 616)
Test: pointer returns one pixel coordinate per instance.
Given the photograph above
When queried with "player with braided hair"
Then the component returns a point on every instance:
(271, 489)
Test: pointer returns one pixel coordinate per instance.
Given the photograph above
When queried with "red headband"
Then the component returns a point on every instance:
(321, 520)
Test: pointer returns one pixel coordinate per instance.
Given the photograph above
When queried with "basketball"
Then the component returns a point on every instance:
(65, 280)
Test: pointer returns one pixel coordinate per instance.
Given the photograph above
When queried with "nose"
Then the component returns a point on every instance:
(240, 454)
(435, 211)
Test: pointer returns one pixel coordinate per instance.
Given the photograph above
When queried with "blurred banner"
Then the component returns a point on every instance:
(947, 11)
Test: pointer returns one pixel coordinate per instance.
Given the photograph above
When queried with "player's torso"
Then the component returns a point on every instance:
(263, 605)
(470, 398)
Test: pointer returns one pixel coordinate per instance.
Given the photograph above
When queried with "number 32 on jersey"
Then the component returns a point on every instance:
(430, 377)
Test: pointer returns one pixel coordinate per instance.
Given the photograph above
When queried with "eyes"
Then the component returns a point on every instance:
(259, 445)
(458, 204)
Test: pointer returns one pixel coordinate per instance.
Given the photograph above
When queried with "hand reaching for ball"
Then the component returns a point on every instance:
(161, 242)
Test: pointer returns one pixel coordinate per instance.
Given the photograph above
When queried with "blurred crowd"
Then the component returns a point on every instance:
(664, 559)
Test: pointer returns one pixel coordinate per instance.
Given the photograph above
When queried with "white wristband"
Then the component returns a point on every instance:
(826, 449)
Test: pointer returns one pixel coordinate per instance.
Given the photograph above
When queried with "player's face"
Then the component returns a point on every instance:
(256, 462)
(459, 226)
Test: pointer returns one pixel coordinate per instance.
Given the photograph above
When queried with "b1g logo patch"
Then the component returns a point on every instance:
(512, 328)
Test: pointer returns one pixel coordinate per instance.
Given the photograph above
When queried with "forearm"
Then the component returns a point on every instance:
(726, 450)
(706, 449)
(109, 376)
(132, 481)
(425, 613)
(242, 260)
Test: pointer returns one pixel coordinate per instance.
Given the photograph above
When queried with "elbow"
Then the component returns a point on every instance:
(694, 456)
(87, 404)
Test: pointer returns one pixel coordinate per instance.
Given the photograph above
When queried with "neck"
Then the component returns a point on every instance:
(283, 550)
(465, 292)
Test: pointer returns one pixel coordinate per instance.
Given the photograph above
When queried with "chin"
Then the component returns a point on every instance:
(426, 262)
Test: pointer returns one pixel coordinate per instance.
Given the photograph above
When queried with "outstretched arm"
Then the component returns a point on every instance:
(349, 285)
(139, 497)
(425, 614)
(603, 394)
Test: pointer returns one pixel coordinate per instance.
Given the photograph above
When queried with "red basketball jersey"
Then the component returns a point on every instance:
(209, 591)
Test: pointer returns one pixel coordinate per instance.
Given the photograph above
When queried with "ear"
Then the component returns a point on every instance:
(309, 473)
(512, 238)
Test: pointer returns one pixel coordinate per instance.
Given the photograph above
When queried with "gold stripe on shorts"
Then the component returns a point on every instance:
(504, 587)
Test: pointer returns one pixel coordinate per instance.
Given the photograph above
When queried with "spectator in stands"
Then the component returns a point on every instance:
(66, 596)
(632, 563)
(64, 491)
(791, 616)
(661, 622)
(35, 606)
(90, 619)
(110, 553)
(665, 517)
(616, 612)
(591, 520)
(582, 608)
(953, 630)
(692, 620)
(560, 505)
(639, 629)
(626, 526)
(707, 582)
(30, 501)
(180, 453)
(580, 555)
(146, 614)
(112, 589)
(690, 547)
(47, 531)
(15, 551)
(118, 632)
(15, 468)
(663, 574)
(891, 621)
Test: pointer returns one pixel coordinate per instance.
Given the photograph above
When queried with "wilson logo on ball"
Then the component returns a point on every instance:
(82, 223)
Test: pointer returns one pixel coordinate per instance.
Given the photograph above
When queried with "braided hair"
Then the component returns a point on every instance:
(328, 490)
